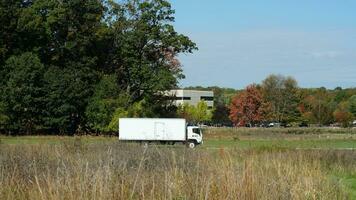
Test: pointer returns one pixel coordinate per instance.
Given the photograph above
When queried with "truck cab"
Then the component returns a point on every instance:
(194, 136)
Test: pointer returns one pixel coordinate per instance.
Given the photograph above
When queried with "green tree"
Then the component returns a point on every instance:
(23, 92)
(4, 119)
(114, 123)
(202, 113)
(77, 43)
(186, 111)
(10, 38)
(340, 95)
(280, 93)
(138, 109)
(147, 47)
(63, 35)
(62, 32)
(195, 114)
(103, 104)
(319, 107)
(352, 103)
(220, 115)
(67, 95)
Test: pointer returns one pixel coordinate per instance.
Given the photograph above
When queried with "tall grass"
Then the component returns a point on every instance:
(277, 133)
(75, 170)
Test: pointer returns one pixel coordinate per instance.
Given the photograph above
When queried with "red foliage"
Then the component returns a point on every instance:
(301, 108)
(246, 107)
(343, 117)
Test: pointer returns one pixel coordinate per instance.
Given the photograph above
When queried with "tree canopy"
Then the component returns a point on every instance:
(57, 56)
(195, 114)
(246, 107)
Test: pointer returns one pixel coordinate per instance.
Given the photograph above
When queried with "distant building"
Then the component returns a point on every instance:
(192, 97)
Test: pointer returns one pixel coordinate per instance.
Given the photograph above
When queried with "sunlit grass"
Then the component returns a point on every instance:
(80, 170)
(299, 144)
(229, 165)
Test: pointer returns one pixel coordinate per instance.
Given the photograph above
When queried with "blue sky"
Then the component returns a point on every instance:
(242, 42)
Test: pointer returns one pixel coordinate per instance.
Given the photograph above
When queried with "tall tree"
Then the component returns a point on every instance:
(352, 102)
(342, 114)
(63, 36)
(195, 114)
(186, 111)
(319, 107)
(4, 118)
(24, 92)
(246, 107)
(148, 47)
(78, 42)
(10, 37)
(220, 115)
(340, 95)
(102, 105)
(202, 112)
(280, 93)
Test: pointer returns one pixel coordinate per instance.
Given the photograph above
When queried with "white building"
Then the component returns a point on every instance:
(192, 97)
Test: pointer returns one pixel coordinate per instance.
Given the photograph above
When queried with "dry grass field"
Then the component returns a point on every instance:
(80, 168)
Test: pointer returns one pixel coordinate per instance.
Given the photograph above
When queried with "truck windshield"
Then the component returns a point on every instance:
(196, 130)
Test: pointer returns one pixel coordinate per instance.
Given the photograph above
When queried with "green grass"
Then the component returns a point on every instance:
(302, 143)
(348, 180)
(213, 142)
(350, 183)
(54, 139)
(307, 144)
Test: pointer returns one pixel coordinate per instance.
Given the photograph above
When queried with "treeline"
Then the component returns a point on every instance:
(79, 65)
(279, 99)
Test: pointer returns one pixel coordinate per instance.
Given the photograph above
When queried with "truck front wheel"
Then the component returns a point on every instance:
(191, 144)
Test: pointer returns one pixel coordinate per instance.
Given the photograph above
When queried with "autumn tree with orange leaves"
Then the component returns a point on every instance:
(246, 107)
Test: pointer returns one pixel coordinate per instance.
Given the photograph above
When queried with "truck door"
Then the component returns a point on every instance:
(160, 130)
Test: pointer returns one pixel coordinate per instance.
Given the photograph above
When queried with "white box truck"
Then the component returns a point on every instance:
(159, 130)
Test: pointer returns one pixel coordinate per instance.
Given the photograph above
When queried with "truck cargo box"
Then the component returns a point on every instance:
(152, 129)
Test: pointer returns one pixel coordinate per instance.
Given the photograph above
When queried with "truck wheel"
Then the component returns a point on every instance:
(191, 145)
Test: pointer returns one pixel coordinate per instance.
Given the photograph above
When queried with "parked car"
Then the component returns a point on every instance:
(274, 124)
